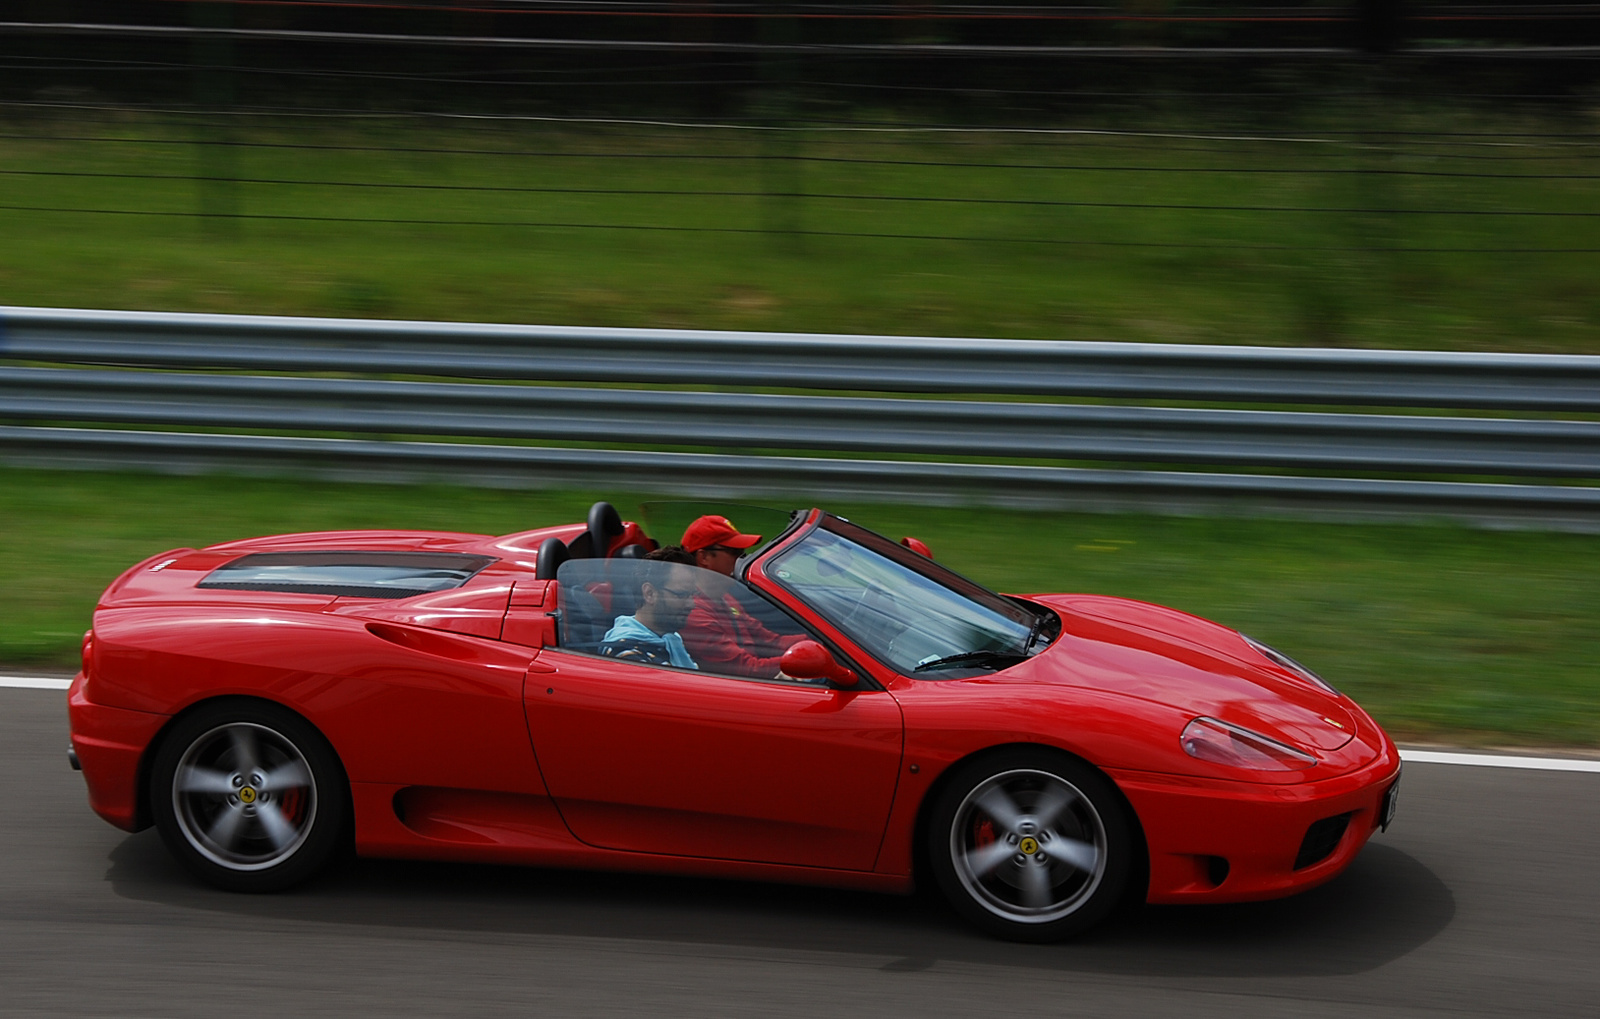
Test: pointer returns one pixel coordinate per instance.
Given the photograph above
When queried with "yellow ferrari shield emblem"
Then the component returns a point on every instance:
(1029, 846)
(247, 795)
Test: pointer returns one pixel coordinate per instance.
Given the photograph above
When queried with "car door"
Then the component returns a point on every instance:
(661, 760)
(656, 759)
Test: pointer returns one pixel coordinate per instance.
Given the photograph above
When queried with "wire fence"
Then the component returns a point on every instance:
(1362, 133)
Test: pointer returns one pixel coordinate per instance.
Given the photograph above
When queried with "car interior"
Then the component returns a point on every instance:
(597, 589)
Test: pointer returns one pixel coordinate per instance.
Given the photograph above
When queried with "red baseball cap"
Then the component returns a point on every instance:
(715, 530)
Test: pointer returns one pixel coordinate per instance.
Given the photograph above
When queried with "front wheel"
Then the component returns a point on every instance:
(249, 796)
(1030, 845)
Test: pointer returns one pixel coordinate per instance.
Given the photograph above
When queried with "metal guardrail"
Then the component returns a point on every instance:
(1149, 371)
(1376, 442)
(39, 401)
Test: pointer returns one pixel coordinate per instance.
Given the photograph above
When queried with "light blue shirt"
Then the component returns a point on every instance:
(629, 628)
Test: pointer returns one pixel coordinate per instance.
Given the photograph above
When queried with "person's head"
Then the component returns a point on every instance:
(670, 554)
(716, 544)
(666, 597)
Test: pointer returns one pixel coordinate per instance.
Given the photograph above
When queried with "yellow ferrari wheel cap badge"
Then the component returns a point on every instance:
(1028, 846)
(247, 795)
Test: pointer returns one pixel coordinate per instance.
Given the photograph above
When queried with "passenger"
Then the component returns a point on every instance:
(720, 633)
(669, 554)
(650, 636)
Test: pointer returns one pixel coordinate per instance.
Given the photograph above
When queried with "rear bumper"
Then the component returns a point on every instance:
(109, 744)
(1261, 831)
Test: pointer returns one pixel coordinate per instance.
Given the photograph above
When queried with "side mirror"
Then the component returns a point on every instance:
(810, 660)
(918, 546)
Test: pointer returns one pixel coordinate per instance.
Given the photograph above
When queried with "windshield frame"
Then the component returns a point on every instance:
(1036, 626)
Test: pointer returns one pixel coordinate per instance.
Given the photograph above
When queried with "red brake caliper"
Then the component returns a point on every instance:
(290, 803)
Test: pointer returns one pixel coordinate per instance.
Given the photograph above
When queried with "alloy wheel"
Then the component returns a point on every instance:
(1028, 846)
(244, 796)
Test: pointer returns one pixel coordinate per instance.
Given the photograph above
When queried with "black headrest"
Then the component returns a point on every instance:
(552, 553)
(605, 523)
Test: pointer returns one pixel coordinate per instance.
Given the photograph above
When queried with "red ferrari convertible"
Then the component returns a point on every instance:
(841, 710)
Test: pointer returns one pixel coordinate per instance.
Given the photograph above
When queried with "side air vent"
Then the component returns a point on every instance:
(1322, 838)
(1216, 870)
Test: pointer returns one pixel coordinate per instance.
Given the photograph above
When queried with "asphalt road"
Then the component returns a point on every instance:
(1483, 899)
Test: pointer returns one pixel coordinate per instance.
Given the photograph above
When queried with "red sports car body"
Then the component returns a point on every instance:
(269, 703)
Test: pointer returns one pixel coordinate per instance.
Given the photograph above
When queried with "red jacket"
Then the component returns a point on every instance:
(723, 637)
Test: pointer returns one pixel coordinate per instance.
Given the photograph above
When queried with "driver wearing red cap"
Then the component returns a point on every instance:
(720, 634)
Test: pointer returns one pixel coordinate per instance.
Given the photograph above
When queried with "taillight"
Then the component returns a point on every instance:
(86, 651)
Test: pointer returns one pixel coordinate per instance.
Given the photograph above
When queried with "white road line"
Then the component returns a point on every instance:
(34, 682)
(1499, 760)
(1419, 756)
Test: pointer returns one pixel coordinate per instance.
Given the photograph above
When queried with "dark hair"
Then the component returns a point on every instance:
(666, 554)
(671, 554)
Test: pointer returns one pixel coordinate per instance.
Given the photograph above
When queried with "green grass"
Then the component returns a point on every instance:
(1011, 280)
(1466, 636)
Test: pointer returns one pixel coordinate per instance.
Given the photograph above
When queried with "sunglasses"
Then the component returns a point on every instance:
(679, 593)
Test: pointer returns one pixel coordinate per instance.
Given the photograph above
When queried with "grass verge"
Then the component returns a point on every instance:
(1465, 636)
(1419, 227)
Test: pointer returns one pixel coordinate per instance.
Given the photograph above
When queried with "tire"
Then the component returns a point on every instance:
(1030, 844)
(250, 796)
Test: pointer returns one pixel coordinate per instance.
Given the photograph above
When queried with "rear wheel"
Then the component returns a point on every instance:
(1030, 845)
(249, 796)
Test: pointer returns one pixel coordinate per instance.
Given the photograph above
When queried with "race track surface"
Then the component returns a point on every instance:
(1483, 899)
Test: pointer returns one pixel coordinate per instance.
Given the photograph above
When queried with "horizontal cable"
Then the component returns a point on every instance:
(679, 193)
(869, 134)
(1340, 138)
(1276, 92)
(557, 225)
(811, 158)
(667, 46)
(956, 11)
(609, 79)
(191, 65)
(793, 128)
(1112, 52)
(833, 11)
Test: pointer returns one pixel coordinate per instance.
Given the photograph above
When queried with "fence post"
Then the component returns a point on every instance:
(1379, 25)
(216, 162)
(780, 144)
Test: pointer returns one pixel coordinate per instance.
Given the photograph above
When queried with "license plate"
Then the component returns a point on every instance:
(1390, 799)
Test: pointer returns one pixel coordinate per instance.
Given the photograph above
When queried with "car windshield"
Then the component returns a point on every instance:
(903, 608)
